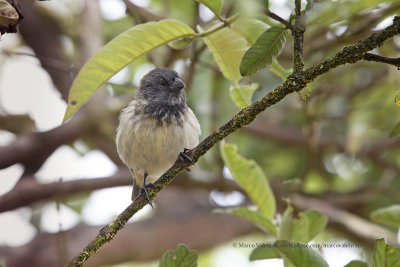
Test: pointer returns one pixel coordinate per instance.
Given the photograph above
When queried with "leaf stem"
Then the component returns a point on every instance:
(220, 18)
(218, 27)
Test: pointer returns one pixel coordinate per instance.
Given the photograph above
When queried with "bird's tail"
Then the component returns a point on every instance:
(135, 190)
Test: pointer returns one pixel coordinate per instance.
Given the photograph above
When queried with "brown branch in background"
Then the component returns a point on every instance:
(34, 148)
(391, 61)
(196, 52)
(361, 23)
(51, 63)
(140, 14)
(34, 192)
(104, 143)
(42, 34)
(295, 82)
(90, 30)
(29, 191)
(17, 124)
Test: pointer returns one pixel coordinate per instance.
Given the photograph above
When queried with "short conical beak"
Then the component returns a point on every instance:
(178, 84)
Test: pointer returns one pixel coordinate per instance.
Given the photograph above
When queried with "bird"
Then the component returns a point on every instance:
(156, 128)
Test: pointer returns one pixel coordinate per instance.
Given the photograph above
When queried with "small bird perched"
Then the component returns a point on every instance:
(155, 128)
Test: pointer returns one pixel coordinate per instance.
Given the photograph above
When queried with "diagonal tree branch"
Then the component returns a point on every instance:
(295, 82)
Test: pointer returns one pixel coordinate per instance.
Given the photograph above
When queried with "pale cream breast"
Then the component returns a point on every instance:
(152, 147)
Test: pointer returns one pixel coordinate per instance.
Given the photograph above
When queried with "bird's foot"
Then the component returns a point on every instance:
(143, 190)
(183, 156)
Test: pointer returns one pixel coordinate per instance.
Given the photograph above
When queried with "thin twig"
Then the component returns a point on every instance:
(297, 8)
(280, 19)
(373, 57)
(298, 35)
(295, 82)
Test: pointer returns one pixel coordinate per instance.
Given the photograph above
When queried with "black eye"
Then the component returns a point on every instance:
(164, 82)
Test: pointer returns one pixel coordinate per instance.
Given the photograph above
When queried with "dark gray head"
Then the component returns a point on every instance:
(162, 85)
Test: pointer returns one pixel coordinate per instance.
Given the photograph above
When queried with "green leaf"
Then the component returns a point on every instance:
(388, 215)
(241, 95)
(267, 47)
(356, 263)
(258, 219)
(294, 229)
(301, 228)
(251, 178)
(265, 252)
(250, 28)
(182, 258)
(213, 5)
(300, 254)
(119, 52)
(285, 227)
(395, 131)
(228, 48)
(385, 255)
(392, 256)
(317, 223)
(378, 257)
